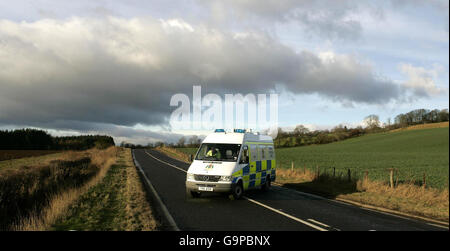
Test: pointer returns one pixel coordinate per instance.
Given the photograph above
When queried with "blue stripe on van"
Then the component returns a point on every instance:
(258, 166)
(263, 174)
(269, 164)
(252, 177)
(251, 183)
(246, 170)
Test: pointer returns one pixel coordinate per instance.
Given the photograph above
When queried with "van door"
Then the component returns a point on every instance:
(243, 166)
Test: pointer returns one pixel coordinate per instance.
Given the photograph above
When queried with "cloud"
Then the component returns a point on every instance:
(84, 73)
(422, 81)
(326, 18)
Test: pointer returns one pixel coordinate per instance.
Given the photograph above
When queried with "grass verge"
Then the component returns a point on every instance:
(55, 199)
(118, 202)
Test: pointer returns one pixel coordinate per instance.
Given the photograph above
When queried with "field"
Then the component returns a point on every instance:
(412, 153)
(17, 154)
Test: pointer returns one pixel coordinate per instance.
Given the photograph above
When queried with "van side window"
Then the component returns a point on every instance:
(253, 153)
(271, 152)
(263, 153)
(244, 155)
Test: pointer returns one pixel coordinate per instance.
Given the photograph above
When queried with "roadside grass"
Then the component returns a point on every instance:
(176, 153)
(48, 191)
(186, 150)
(118, 202)
(406, 197)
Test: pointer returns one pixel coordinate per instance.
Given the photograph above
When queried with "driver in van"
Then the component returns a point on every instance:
(212, 152)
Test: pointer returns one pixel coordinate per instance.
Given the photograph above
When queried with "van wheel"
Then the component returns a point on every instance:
(237, 191)
(267, 184)
(192, 194)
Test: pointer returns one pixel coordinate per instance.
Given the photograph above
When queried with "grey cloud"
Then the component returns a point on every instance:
(81, 72)
(328, 19)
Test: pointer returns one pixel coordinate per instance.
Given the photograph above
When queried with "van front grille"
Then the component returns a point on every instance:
(210, 178)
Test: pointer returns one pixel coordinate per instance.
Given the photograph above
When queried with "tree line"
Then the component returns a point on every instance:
(34, 139)
(301, 136)
(193, 141)
(421, 116)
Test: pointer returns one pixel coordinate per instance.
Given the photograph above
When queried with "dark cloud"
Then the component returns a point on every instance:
(88, 73)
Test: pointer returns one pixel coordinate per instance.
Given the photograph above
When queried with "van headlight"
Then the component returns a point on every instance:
(190, 176)
(226, 178)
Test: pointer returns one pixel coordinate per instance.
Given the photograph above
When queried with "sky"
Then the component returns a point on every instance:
(111, 67)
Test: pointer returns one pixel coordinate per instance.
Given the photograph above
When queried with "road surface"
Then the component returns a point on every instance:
(276, 210)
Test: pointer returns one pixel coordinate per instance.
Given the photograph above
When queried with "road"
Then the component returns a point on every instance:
(275, 210)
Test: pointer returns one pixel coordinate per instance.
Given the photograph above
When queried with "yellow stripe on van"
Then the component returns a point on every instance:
(263, 165)
(253, 167)
(238, 173)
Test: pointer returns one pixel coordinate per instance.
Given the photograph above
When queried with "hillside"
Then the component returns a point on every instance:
(412, 152)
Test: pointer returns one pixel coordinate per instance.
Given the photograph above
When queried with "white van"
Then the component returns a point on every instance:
(232, 163)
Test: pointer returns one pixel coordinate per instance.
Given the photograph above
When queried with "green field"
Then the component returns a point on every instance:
(411, 152)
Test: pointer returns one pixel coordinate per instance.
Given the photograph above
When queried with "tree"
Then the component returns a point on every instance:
(181, 142)
(372, 121)
(300, 130)
(443, 115)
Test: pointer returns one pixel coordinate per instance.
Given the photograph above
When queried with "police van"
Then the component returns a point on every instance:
(232, 162)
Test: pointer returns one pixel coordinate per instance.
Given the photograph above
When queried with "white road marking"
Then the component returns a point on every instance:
(165, 162)
(318, 223)
(287, 215)
(254, 201)
(436, 225)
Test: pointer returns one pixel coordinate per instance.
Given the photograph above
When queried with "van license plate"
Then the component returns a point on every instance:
(209, 189)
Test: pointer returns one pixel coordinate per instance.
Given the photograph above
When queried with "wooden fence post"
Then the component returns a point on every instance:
(424, 180)
(349, 175)
(334, 172)
(292, 166)
(366, 175)
(391, 177)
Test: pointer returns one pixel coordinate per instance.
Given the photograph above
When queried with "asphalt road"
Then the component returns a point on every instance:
(277, 209)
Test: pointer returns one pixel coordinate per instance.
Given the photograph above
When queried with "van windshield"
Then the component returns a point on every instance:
(218, 152)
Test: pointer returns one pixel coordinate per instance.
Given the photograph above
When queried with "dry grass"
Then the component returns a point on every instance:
(405, 197)
(423, 126)
(59, 202)
(172, 152)
(138, 212)
(17, 154)
(118, 202)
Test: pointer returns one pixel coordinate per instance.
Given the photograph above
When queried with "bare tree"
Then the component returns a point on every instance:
(372, 121)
